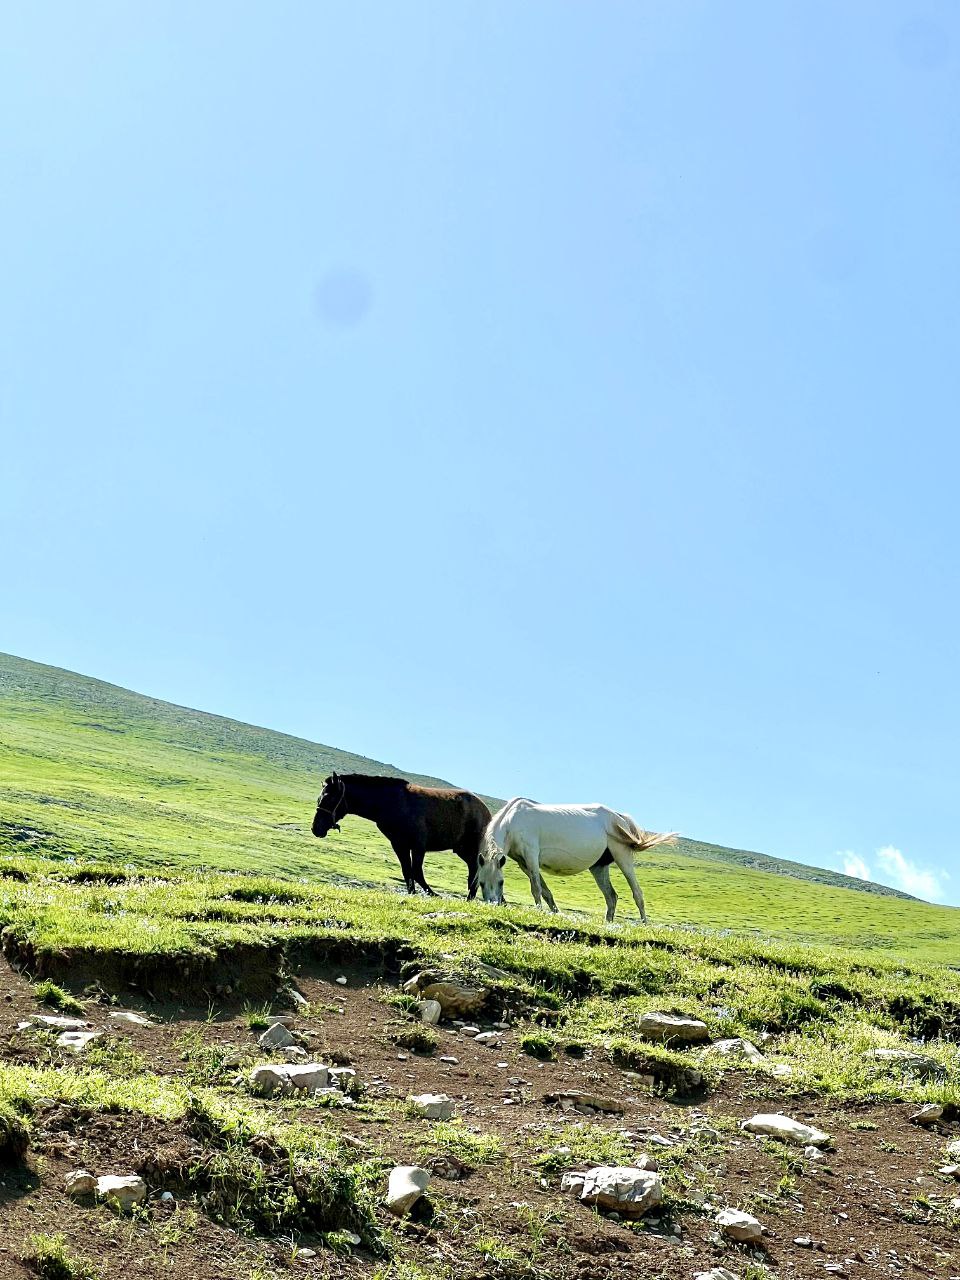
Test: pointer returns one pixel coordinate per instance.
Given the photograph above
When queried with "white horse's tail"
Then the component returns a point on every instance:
(627, 832)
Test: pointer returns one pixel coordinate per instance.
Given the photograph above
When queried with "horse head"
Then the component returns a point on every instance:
(331, 806)
(490, 864)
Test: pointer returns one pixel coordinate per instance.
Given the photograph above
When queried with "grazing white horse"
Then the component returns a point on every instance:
(564, 839)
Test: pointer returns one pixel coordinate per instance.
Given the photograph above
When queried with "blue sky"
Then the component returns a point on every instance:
(558, 398)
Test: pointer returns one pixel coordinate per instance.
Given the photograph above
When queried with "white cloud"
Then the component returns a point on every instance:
(854, 865)
(923, 882)
(889, 866)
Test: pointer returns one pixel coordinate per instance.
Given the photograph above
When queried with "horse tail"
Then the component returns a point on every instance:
(627, 832)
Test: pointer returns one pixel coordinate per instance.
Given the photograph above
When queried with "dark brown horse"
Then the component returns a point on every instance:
(416, 820)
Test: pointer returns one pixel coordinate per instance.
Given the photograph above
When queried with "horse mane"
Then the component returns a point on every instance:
(377, 779)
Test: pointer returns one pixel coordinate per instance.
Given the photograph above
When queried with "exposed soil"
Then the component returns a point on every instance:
(875, 1205)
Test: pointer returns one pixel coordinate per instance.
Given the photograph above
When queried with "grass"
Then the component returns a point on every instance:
(50, 1257)
(55, 997)
(95, 773)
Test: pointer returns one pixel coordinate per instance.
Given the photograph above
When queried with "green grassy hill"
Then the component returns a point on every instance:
(92, 771)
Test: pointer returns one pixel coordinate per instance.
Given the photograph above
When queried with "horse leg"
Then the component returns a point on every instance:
(602, 877)
(403, 857)
(531, 864)
(416, 864)
(623, 857)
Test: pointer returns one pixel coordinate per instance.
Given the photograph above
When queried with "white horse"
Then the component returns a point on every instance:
(564, 839)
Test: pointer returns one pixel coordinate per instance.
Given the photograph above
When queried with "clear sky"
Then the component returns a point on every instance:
(561, 398)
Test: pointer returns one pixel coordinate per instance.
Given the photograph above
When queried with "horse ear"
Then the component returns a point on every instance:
(502, 861)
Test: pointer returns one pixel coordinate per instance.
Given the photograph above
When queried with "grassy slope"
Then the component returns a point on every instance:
(90, 770)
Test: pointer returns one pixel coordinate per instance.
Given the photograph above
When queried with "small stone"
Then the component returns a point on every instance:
(779, 1126)
(429, 1011)
(813, 1153)
(56, 1023)
(470, 1031)
(80, 1183)
(951, 1170)
(928, 1114)
(450, 1060)
(135, 1019)
(489, 1038)
(738, 1226)
(432, 1106)
(341, 981)
(167, 1197)
(953, 1149)
(804, 1242)
(718, 1273)
(341, 1077)
(276, 1037)
(306, 1253)
(77, 1041)
(281, 1019)
(405, 1186)
(737, 1048)
(502, 1026)
(626, 1189)
(123, 1192)
(293, 1053)
(666, 1027)
(269, 1078)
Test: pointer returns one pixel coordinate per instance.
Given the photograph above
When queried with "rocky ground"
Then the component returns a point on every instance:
(872, 1203)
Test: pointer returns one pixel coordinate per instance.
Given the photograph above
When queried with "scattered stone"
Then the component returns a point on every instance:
(281, 1019)
(928, 1114)
(293, 1053)
(270, 1078)
(470, 1031)
(80, 1183)
(135, 1019)
(782, 1070)
(951, 1170)
(299, 1000)
(167, 1197)
(341, 981)
(276, 1037)
(456, 1001)
(56, 1023)
(737, 1048)
(953, 1149)
(450, 1060)
(628, 1190)
(405, 1186)
(430, 1011)
(804, 1242)
(906, 1060)
(658, 1140)
(813, 1153)
(122, 1192)
(341, 1077)
(489, 1038)
(432, 1106)
(736, 1225)
(306, 1253)
(581, 1101)
(718, 1273)
(778, 1126)
(77, 1041)
(664, 1027)
(502, 1026)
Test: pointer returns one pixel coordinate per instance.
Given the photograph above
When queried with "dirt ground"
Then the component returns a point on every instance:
(873, 1206)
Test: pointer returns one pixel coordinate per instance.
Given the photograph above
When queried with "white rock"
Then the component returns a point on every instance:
(276, 1037)
(167, 1197)
(718, 1273)
(629, 1191)
(341, 1077)
(430, 1011)
(432, 1106)
(406, 1184)
(293, 1053)
(77, 1041)
(813, 1153)
(928, 1114)
(56, 1023)
(80, 1183)
(950, 1170)
(135, 1019)
(489, 1038)
(666, 1027)
(736, 1048)
(124, 1192)
(272, 1078)
(778, 1126)
(470, 1031)
(285, 1019)
(341, 981)
(905, 1059)
(953, 1149)
(450, 1060)
(738, 1226)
